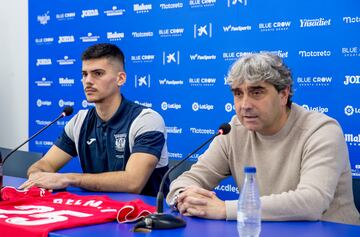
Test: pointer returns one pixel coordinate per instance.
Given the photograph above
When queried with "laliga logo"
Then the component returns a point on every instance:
(195, 106)
(164, 106)
(229, 107)
(349, 110)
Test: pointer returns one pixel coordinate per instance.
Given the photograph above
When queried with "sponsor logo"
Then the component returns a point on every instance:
(86, 104)
(64, 81)
(203, 31)
(43, 61)
(349, 110)
(201, 3)
(166, 6)
(351, 51)
(142, 81)
(171, 82)
(351, 20)
(173, 32)
(227, 188)
(146, 104)
(202, 81)
(114, 11)
(317, 109)
(66, 61)
(274, 26)
(146, 58)
(229, 107)
(90, 141)
(63, 103)
(231, 28)
(175, 155)
(142, 34)
(43, 82)
(142, 8)
(202, 131)
(353, 140)
(305, 54)
(314, 22)
(232, 56)
(202, 57)
(66, 39)
(42, 41)
(352, 79)
(225, 80)
(280, 53)
(231, 3)
(42, 122)
(166, 106)
(89, 13)
(171, 58)
(43, 19)
(196, 107)
(89, 38)
(120, 141)
(115, 36)
(195, 156)
(314, 81)
(43, 143)
(65, 16)
(174, 130)
(40, 103)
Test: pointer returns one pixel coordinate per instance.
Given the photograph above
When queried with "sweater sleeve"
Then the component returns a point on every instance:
(211, 168)
(324, 158)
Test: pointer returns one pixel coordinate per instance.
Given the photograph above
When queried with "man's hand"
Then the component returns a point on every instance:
(46, 180)
(196, 201)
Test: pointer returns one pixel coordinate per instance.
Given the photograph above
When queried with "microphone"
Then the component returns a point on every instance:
(68, 110)
(161, 220)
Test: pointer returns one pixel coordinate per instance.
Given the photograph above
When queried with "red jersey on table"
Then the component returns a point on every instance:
(35, 216)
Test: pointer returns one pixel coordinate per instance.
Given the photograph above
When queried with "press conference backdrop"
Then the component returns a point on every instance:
(178, 53)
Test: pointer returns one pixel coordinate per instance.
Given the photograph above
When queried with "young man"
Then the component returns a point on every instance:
(301, 157)
(121, 145)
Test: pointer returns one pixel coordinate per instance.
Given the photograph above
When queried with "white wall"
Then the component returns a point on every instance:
(14, 73)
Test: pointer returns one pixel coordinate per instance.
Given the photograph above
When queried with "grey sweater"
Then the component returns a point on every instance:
(303, 171)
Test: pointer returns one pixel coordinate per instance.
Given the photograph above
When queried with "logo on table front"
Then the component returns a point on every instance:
(203, 30)
(114, 11)
(142, 81)
(43, 19)
(171, 57)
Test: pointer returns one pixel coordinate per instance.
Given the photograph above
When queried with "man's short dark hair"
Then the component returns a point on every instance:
(104, 50)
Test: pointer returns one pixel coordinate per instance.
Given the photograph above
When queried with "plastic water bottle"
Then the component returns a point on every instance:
(249, 207)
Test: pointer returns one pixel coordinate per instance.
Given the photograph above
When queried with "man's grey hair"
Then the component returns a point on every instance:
(257, 67)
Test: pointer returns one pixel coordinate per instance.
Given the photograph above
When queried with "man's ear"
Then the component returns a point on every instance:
(284, 95)
(121, 78)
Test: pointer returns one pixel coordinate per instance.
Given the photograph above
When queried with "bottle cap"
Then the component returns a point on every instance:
(250, 169)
